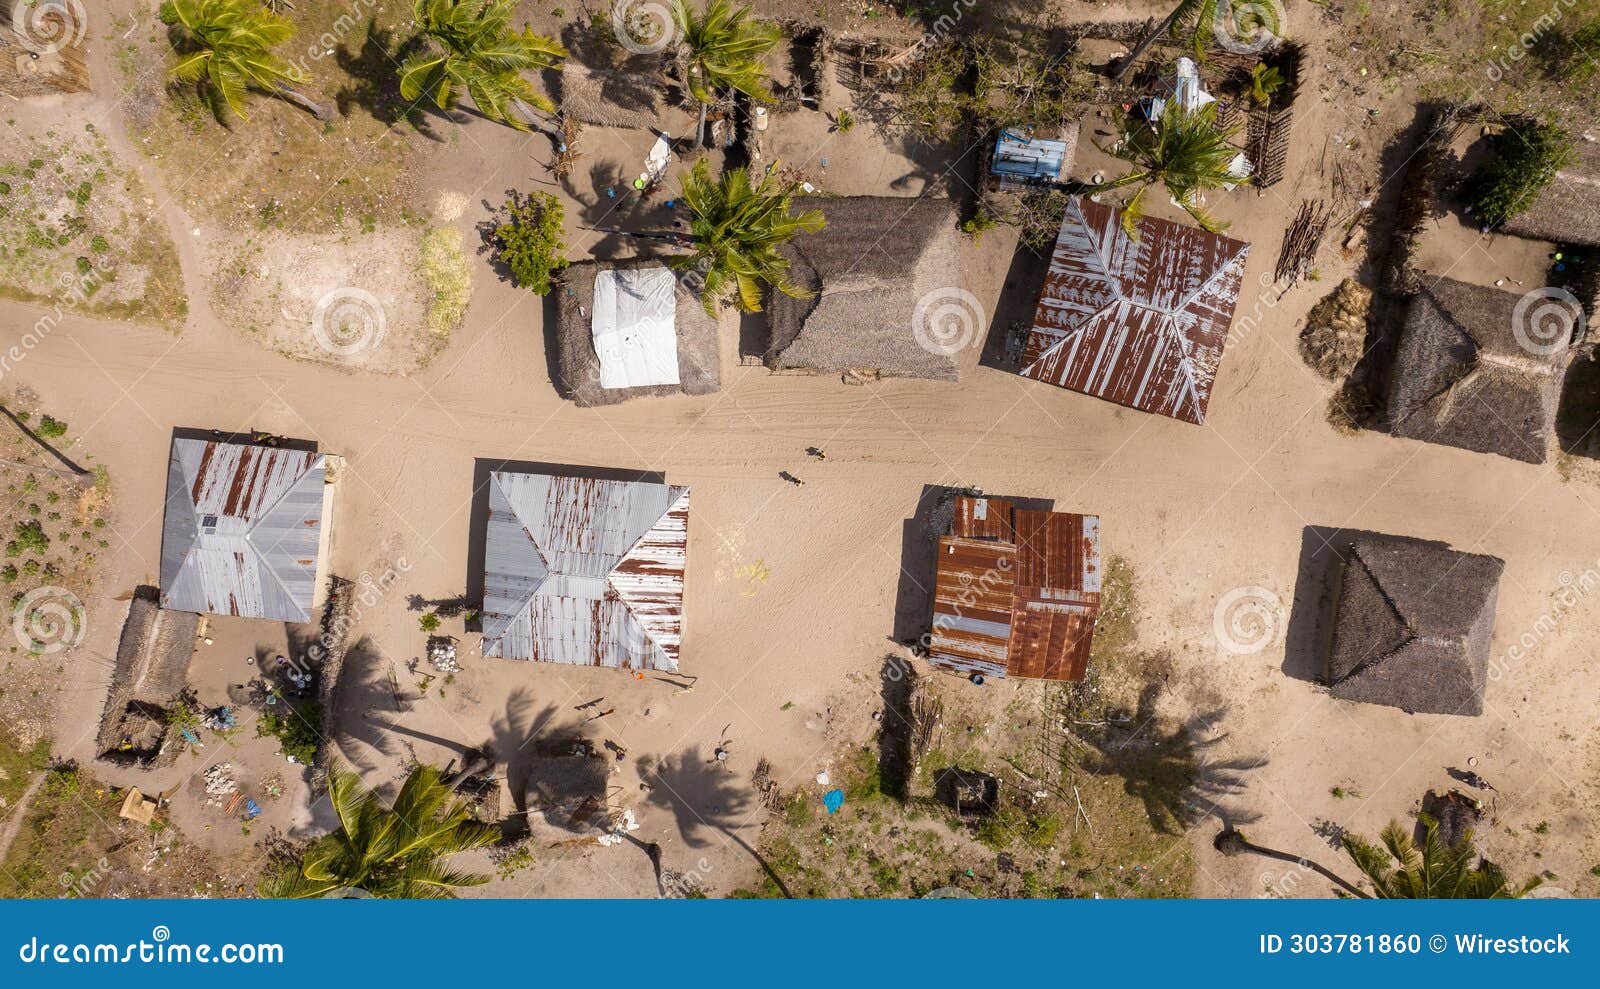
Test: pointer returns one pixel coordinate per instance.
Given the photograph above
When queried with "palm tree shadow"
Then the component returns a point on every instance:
(374, 67)
(706, 799)
(515, 736)
(1171, 770)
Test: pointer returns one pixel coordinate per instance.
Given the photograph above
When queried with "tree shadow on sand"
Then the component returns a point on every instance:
(1171, 770)
(707, 799)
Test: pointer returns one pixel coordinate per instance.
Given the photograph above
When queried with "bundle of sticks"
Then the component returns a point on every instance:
(1301, 242)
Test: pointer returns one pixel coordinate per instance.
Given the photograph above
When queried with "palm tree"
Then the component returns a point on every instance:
(737, 229)
(227, 50)
(1183, 150)
(388, 852)
(474, 48)
(1197, 19)
(720, 48)
(1435, 871)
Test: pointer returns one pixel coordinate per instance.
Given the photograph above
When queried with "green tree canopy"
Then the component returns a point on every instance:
(395, 852)
(226, 49)
(473, 47)
(738, 229)
(1184, 151)
(1401, 870)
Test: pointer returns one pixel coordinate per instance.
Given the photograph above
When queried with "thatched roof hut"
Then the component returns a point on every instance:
(152, 670)
(631, 326)
(882, 265)
(1412, 625)
(1568, 209)
(567, 790)
(1480, 369)
(1456, 814)
(607, 85)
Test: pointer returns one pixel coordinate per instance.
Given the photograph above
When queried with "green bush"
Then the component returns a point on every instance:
(1525, 158)
(529, 242)
(30, 536)
(297, 727)
(429, 622)
(52, 428)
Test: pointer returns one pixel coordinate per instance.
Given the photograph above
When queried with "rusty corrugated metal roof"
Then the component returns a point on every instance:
(1016, 592)
(1138, 322)
(584, 571)
(242, 528)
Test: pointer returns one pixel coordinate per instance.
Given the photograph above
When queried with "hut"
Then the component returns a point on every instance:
(244, 531)
(1016, 592)
(1481, 369)
(584, 571)
(567, 790)
(626, 329)
(1412, 625)
(604, 84)
(1567, 210)
(1456, 815)
(1137, 321)
(878, 275)
(151, 672)
(1024, 160)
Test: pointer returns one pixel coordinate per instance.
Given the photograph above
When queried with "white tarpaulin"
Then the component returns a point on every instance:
(635, 327)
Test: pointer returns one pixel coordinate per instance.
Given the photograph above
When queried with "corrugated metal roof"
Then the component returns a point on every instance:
(584, 571)
(1016, 592)
(1138, 322)
(1029, 159)
(242, 529)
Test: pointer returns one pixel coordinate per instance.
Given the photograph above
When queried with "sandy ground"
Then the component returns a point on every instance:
(1199, 512)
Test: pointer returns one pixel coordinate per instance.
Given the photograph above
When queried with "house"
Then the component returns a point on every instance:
(1137, 321)
(245, 532)
(1016, 592)
(626, 329)
(584, 571)
(1023, 160)
(1480, 369)
(1567, 210)
(874, 276)
(1412, 624)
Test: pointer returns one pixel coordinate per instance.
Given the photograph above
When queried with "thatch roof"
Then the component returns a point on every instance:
(1568, 209)
(1412, 625)
(152, 665)
(1456, 814)
(868, 270)
(607, 85)
(699, 368)
(1463, 378)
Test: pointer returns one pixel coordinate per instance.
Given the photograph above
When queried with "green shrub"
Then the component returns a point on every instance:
(30, 536)
(1525, 158)
(429, 622)
(52, 428)
(297, 727)
(529, 241)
